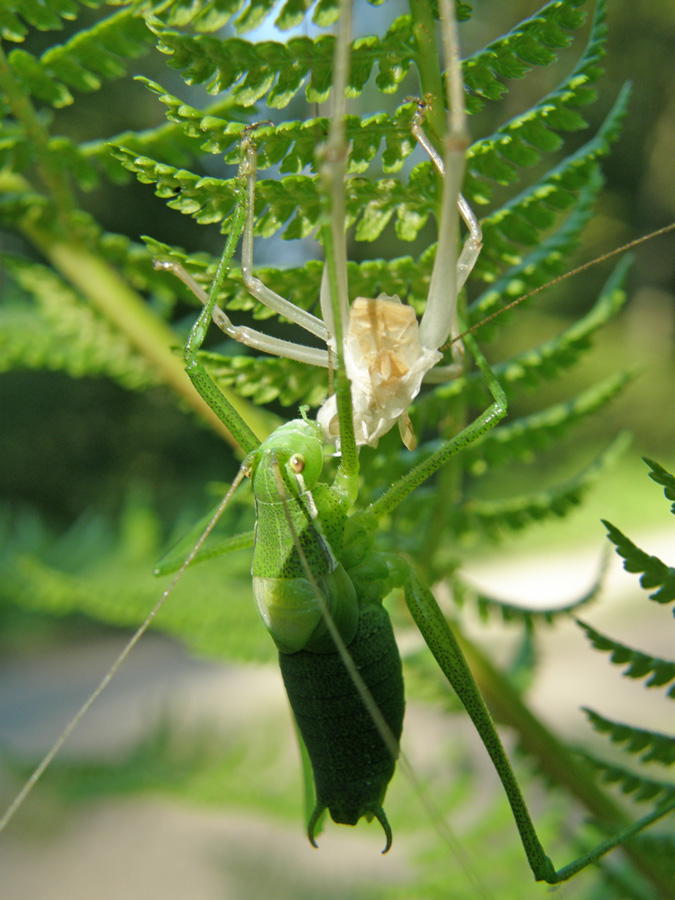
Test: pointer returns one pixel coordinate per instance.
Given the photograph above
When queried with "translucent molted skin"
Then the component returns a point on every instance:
(385, 363)
(386, 353)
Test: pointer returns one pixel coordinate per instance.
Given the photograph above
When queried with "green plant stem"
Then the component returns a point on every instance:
(429, 68)
(51, 175)
(94, 277)
(555, 760)
(126, 310)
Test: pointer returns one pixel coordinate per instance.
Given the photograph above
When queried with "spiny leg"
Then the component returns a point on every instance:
(266, 296)
(474, 430)
(474, 241)
(198, 375)
(445, 648)
(449, 656)
(449, 274)
(243, 222)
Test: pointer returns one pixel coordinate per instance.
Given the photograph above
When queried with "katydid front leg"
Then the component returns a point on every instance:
(447, 653)
(243, 221)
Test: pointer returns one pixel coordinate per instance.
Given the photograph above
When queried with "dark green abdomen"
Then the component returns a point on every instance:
(352, 766)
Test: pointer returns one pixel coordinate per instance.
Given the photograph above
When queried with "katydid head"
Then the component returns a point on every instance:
(295, 451)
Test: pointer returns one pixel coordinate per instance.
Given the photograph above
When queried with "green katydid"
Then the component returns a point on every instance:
(353, 555)
(317, 579)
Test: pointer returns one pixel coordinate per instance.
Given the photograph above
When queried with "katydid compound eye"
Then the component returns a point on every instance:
(297, 463)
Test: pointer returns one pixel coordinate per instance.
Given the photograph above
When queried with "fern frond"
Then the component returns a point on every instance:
(638, 665)
(641, 788)
(371, 209)
(371, 206)
(662, 476)
(278, 71)
(531, 43)
(493, 517)
(251, 71)
(86, 161)
(649, 746)
(84, 62)
(266, 379)
(96, 573)
(514, 223)
(46, 15)
(548, 360)
(521, 438)
(213, 16)
(15, 205)
(292, 204)
(521, 142)
(538, 364)
(656, 573)
(64, 333)
(490, 607)
(136, 263)
(538, 267)
(646, 745)
(292, 144)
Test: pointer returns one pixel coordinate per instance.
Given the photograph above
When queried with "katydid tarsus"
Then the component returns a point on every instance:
(327, 556)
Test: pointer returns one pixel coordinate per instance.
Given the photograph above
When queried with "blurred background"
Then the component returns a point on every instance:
(85, 458)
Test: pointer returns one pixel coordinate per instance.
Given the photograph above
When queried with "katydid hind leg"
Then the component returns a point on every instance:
(448, 653)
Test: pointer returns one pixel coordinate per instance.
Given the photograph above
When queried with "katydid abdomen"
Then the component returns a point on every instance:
(351, 762)
(337, 651)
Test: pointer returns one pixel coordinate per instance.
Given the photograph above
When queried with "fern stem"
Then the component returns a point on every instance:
(429, 68)
(107, 291)
(52, 177)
